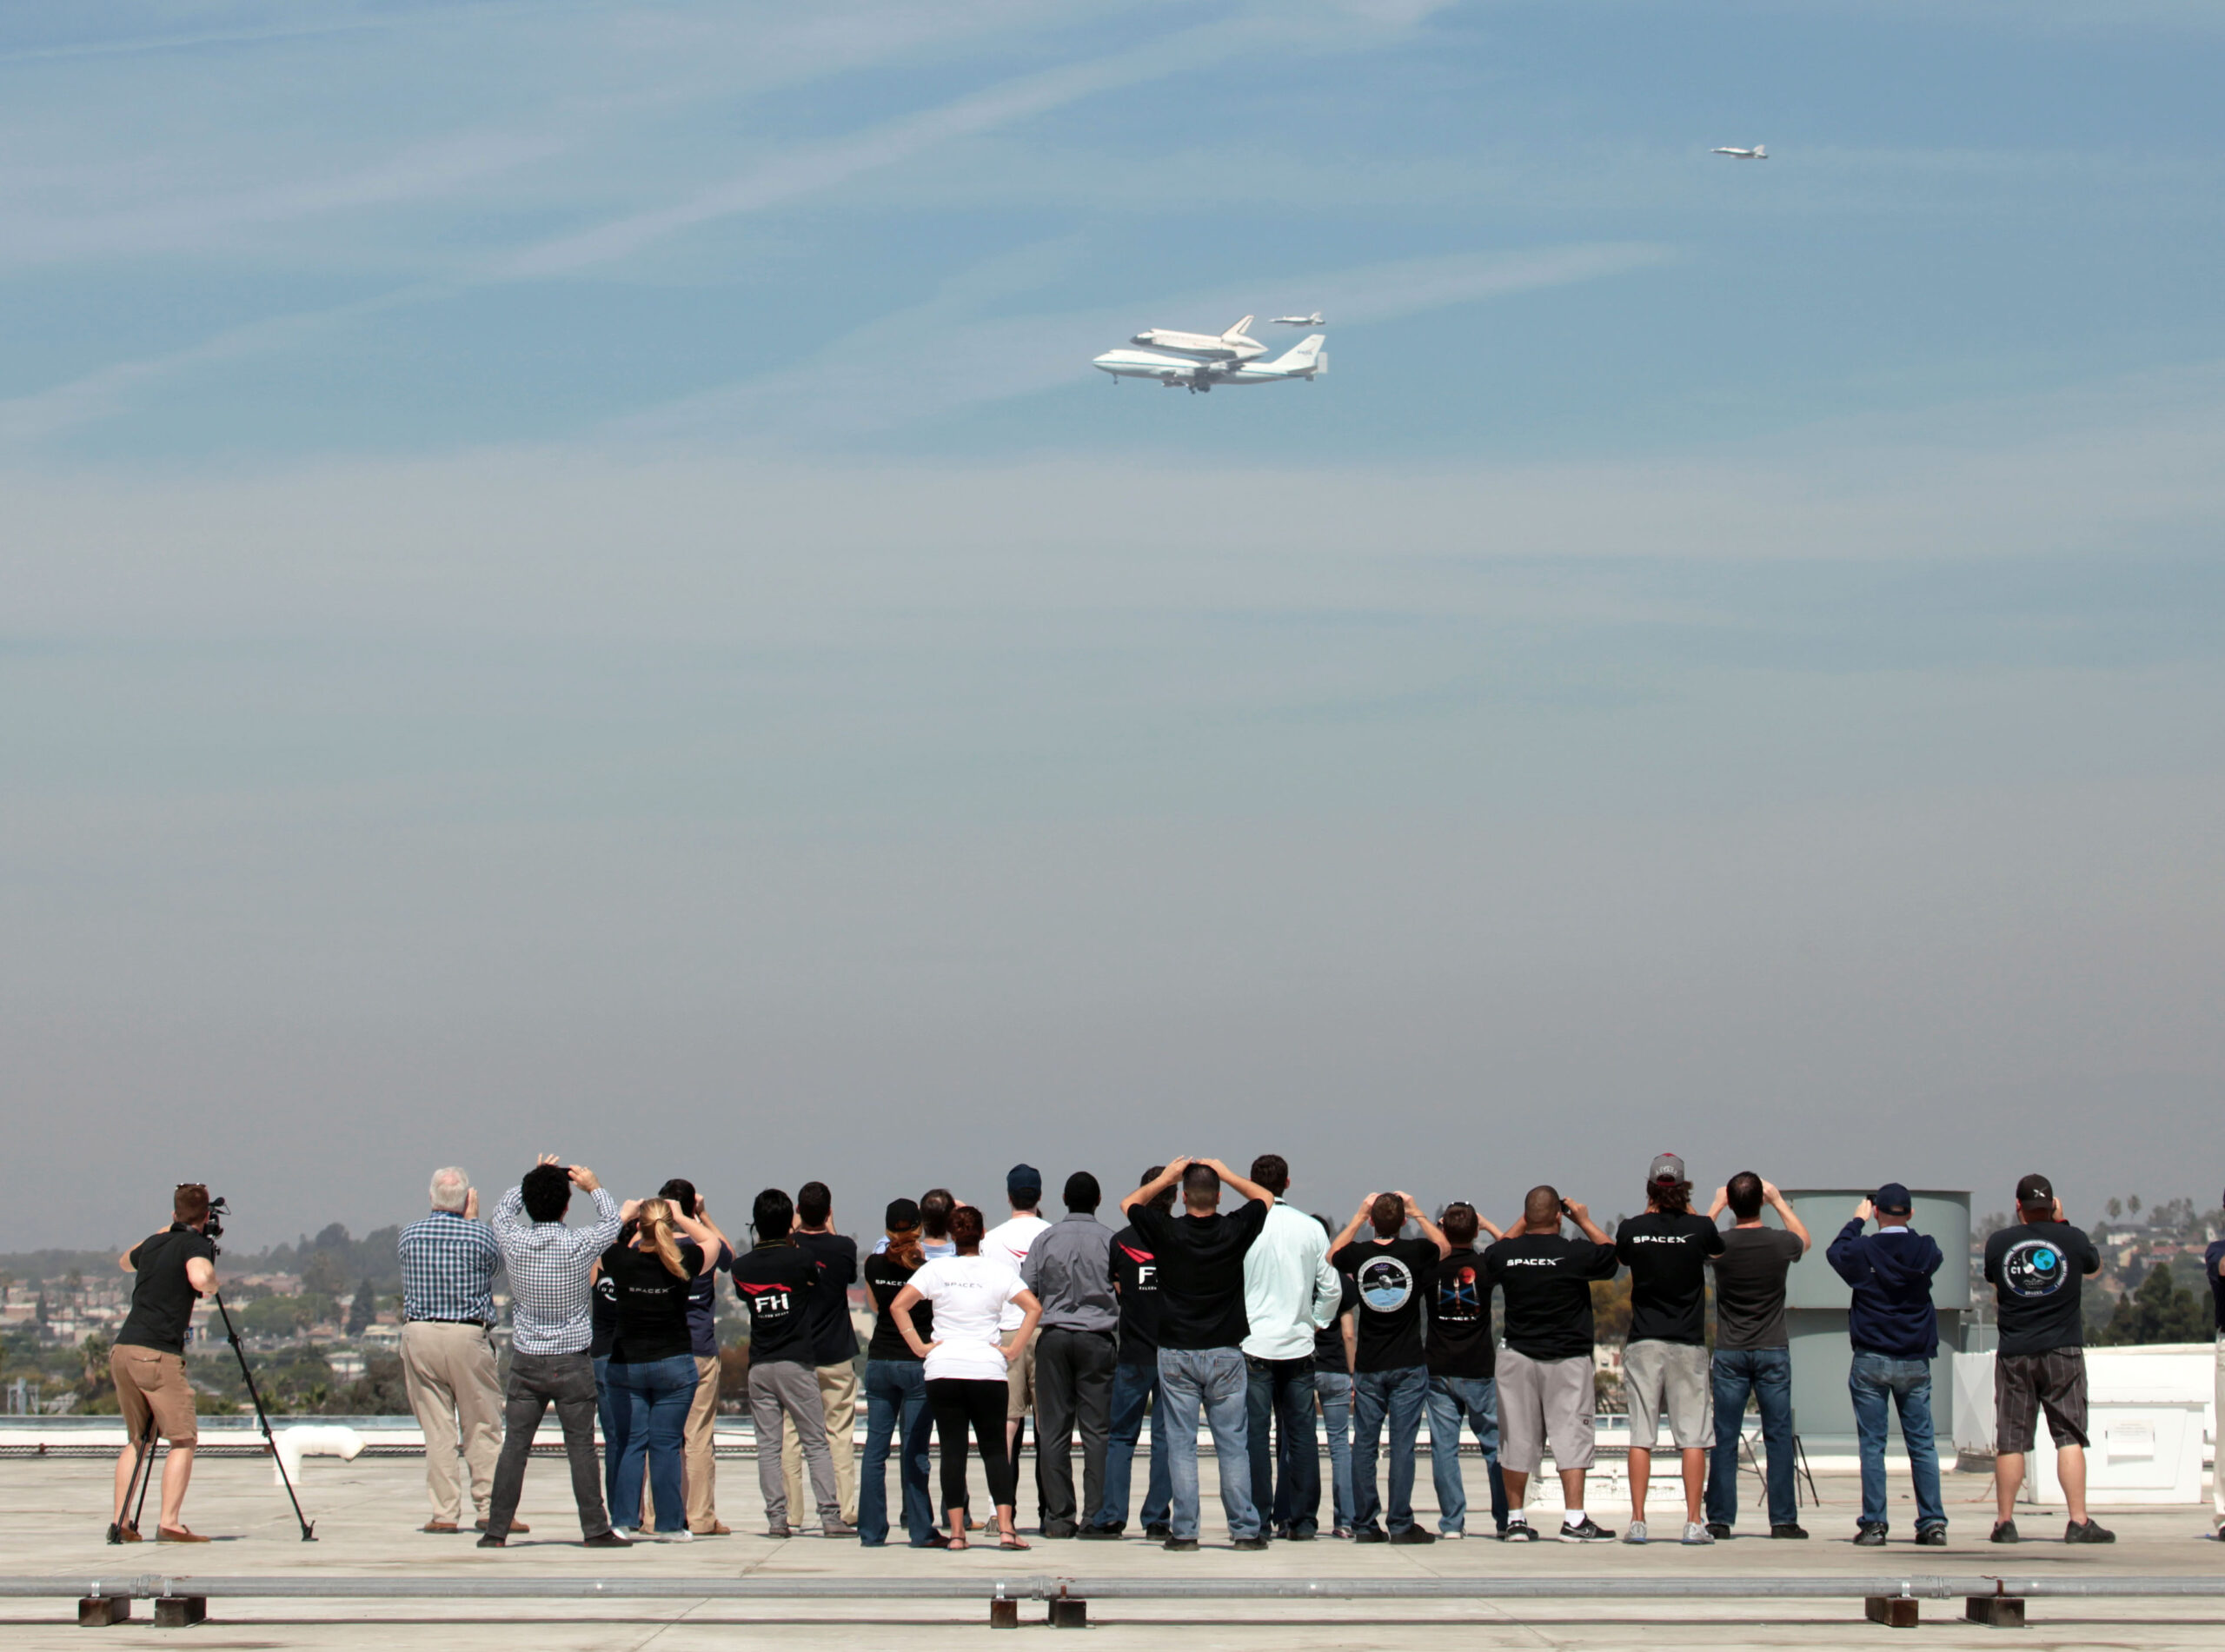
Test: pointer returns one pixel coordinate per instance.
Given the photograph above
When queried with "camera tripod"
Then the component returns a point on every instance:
(144, 1466)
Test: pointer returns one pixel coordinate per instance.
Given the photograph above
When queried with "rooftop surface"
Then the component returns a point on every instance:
(53, 1514)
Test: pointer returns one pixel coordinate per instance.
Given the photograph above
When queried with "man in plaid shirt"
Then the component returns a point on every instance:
(551, 1329)
(448, 1302)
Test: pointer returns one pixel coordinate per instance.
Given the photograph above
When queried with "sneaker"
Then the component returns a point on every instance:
(1099, 1533)
(1789, 1529)
(1520, 1531)
(1869, 1536)
(1249, 1543)
(683, 1536)
(1720, 1530)
(2004, 1531)
(1180, 1545)
(2089, 1533)
(1636, 1532)
(780, 1531)
(1413, 1534)
(1931, 1536)
(836, 1529)
(1453, 1537)
(601, 1540)
(1586, 1533)
(1371, 1534)
(1697, 1532)
(488, 1540)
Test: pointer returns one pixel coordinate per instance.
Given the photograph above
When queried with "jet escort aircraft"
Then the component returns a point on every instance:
(1314, 320)
(1307, 359)
(1234, 345)
(1759, 152)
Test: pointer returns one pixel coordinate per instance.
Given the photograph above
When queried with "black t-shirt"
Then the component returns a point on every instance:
(1135, 1277)
(161, 1298)
(1394, 1281)
(1460, 1318)
(1750, 1287)
(1329, 1345)
(885, 1277)
(1547, 1280)
(651, 1301)
(1201, 1272)
(2212, 1259)
(1667, 1256)
(777, 1282)
(834, 1339)
(602, 1317)
(2036, 1270)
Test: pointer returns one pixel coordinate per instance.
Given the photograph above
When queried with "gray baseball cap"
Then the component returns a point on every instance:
(1667, 1167)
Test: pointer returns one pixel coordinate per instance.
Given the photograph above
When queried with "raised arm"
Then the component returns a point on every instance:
(200, 1274)
(1791, 1217)
(1431, 1232)
(707, 1239)
(1157, 1185)
(1351, 1229)
(1581, 1215)
(509, 1212)
(1721, 1202)
(1245, 1189)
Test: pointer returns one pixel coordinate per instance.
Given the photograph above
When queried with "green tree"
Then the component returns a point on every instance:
(323, 1275)
(2115, 1209)
(363, 1310)
(2160, 1311)
(2133, 1204)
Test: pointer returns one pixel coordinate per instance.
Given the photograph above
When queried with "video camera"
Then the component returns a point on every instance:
(218, 1209)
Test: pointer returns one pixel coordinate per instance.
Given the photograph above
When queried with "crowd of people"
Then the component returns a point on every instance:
(1257, 1324)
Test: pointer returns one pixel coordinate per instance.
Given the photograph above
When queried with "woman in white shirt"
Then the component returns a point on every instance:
(964, 1364)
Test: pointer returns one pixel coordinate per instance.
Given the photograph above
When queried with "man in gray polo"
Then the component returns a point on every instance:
(1069, 1268)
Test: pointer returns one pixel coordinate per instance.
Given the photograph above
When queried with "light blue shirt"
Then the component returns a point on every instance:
(1290, 1289)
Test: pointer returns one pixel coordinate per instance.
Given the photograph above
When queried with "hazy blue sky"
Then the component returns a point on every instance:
(565, 583)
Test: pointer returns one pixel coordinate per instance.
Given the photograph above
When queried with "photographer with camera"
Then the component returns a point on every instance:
(175, 1268)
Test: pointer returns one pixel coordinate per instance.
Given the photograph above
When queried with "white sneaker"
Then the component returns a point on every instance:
(1695, 1532)
(683, 1536)
(1636, 1534)
(1452, 1536)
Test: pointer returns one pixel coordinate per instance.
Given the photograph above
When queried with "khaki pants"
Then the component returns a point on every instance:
(702, 1464)
(837, 1396)
(449, 1371)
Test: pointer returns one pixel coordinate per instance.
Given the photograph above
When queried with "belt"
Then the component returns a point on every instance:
(479, 1324)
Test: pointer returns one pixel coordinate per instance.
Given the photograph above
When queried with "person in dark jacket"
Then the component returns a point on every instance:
(1894, 1332)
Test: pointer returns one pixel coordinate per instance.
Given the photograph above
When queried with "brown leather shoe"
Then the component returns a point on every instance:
(716, 1528)
(177, 1534)
(518, 1528)
(125, 1534)
(441, 1525)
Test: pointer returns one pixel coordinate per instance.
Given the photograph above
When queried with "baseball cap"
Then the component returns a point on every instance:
(902, 1213)
(1667, 1167)
(1024, 1181)
(2036, 1189)
(1893, 1197)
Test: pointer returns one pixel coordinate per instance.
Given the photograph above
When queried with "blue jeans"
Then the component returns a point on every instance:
(1400, 1395)
(1449, 1399)
(1132, 1384)
(1281, 1391)
(614, 1413)
(1766, 1373)
(896, 1406)
(1211, 1380)
(1871, 1379)
(1335, 1389)
(657, 1394)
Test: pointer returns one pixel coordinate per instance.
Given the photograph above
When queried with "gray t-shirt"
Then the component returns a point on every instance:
(1750, 1287)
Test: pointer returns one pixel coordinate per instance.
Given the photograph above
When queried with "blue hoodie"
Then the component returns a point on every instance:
(1891, 1273)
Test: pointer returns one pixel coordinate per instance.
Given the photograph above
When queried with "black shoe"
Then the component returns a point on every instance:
(601, 1540)
(1061, 1531)
(490, 1541)
(1587, 1532)
(1520, 1531)
(1249, 1543)
(1869, 1536)
(1790, 1528)
(2004, 1531)
(1302, 1534)
(1720, 1530)
(1413, 1534)
(1180, 1545)
(1099, 1533)
(1371, 1534)
(1931, 1536)
(1159, 1533)
(2089, 1533)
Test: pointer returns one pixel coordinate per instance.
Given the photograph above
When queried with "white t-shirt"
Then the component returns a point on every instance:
(969, 1295)
(1008, 1245)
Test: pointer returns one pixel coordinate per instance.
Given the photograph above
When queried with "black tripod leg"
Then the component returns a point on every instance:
(270, 1440)
(135, 1487)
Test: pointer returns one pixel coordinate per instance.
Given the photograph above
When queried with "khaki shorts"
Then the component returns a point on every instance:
(1671, 1379)
(151, 1384)
(1544, 1401)
(1019, 1383)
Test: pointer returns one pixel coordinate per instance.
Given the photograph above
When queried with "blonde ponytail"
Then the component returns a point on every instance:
(656, 1218)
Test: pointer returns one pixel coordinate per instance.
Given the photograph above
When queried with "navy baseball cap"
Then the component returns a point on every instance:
(901, 1214)
(1024, 1181)
(1895, 1198)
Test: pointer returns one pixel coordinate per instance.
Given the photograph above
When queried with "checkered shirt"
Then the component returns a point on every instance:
(447, 1269)
(548, 1265)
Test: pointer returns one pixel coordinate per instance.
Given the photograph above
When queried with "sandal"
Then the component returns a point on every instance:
(1011, 1539)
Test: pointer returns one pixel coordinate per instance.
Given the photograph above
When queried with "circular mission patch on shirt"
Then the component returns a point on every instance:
(1385, 1283)
(2035, 1268)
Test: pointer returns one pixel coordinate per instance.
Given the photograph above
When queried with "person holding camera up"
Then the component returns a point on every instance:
(551, 1330)
(175, 1268)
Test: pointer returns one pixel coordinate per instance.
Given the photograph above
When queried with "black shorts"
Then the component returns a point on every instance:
(2026, 1384)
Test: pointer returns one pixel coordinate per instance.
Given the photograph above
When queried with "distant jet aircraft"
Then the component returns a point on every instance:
(1234, 345)
(1759, 152)
(1307, 359)
(1314, 320)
